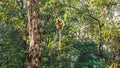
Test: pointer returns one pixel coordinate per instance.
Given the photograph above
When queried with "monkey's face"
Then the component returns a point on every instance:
(60, 22)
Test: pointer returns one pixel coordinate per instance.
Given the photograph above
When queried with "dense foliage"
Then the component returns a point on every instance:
(88, 24)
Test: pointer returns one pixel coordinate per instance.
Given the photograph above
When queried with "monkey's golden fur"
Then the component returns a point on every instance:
(59, 23)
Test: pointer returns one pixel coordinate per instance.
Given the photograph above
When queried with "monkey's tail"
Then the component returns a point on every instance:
(59, 46)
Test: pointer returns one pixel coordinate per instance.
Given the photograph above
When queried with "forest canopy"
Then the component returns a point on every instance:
(90, 37)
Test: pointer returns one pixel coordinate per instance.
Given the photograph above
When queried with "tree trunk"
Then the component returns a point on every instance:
(33, 54)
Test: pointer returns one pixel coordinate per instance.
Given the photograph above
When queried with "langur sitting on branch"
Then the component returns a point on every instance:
(59, 25)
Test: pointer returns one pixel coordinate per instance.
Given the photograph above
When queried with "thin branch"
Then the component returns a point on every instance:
(94, 18)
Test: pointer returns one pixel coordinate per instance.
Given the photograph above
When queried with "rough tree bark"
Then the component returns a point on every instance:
(33, 54)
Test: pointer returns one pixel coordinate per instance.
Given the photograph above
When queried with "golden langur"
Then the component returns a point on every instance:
(59, 25)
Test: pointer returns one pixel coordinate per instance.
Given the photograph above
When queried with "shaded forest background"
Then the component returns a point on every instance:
(90, 37)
